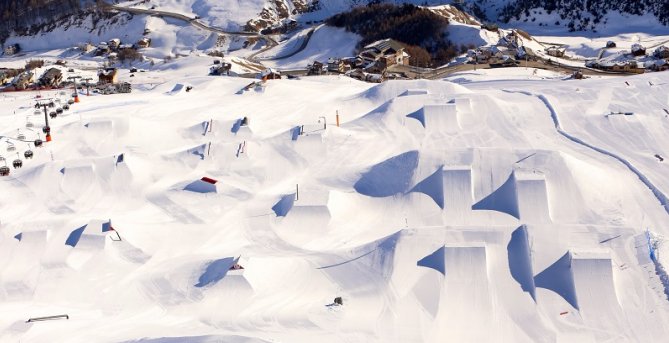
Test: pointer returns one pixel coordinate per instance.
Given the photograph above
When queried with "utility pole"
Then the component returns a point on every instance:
(44, 104)
(76, 94)
(88, 85)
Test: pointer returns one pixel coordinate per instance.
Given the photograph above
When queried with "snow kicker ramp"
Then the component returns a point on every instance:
(458, 191)
(465, 301)
(596, 293)
(523, 195)
(451, 189)
(438, 118)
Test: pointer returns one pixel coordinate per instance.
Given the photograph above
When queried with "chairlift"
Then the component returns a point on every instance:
(28, 154)
(53, 114)
(66, 107)
(29, 124)
(21, 137)
(38, 143)
(52, 104)
(70, 102)
(59, 110)
(4, 171)
(17, 163)
(11, 147)
(37, 112)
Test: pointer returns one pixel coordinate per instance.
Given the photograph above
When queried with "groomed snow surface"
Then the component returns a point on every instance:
(437, 211)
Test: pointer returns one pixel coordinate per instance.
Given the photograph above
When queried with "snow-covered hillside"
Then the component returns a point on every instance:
(557, 17)
(503, 207)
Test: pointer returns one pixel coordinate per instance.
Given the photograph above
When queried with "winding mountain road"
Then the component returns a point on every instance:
(270, 42)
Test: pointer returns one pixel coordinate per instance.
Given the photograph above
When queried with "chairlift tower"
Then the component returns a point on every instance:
(44, 104)
(74, 79)
(88, 85)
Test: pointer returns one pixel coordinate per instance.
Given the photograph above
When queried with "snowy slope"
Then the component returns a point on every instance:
(491, 210)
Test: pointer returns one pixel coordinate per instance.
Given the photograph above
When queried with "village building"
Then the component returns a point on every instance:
(661, 52)
(638, 50)
(629, 66)
(384, 53)
(525, 53)
(143, 43)
(504, 62)
(114, 43)
(487, 54)
(555, 51)
(12, 49)
(51, 78)
(510, 41)
(220, 68)
(23, 80)
(108, 76)
(337, 65)
(657, 65)
(7, 75)
(102, 49)
(316, 68)
(86, 47)
(269, 74)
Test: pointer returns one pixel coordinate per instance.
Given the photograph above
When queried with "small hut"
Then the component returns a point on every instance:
(270, 74)
(638, 50)
(108, 75)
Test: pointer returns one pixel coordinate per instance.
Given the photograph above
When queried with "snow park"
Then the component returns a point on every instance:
(254, 172)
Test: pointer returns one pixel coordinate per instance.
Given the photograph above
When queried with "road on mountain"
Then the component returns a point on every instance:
(270, 42)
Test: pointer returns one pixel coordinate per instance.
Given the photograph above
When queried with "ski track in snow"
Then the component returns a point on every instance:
(657, 193)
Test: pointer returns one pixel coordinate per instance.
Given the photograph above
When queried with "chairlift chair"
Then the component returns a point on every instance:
(59, 110)
(70, 102)
(11, 147)
(53, 114)
(28, 154)
(37, 112)
(52, 104)
(17, 163)
(21, 137)
(29, 124)
(66, 107)
(4, 171)
(38, 143)
(46, 129)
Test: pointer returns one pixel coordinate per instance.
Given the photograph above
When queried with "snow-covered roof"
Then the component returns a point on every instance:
(269, 71)
(385, 44)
